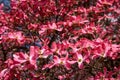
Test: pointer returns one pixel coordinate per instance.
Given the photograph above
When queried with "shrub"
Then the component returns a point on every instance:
(59, 39)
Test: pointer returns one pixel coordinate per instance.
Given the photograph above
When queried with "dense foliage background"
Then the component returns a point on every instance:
(60, 40)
